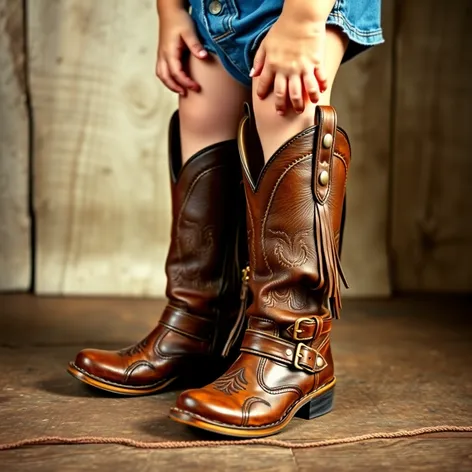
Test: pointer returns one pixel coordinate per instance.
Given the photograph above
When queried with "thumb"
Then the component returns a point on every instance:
(258, 63)
(194, 45)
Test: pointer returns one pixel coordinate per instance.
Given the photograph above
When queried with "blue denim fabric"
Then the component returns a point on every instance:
(235, 33)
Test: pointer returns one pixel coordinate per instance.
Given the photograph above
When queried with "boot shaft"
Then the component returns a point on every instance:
(202, 266)
(294, 213)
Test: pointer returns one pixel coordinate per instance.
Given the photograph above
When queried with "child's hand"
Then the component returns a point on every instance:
(176, 36)
(290, 60)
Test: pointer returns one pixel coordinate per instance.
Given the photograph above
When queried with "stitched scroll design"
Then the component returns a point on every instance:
(296, 301)
(232, 382)
(193, 239)
(290, 252)
(135, 349)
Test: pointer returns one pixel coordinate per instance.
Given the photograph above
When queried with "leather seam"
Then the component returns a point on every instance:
(158, 351)
(288, 344)
(341, 157)
(275, 391)
(131, 368)
(186, 313)
(280, 150)
(96, 377)
(253, 236)
(184, 333)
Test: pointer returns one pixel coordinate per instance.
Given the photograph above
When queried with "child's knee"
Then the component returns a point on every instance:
(203, 120)
(196, 119)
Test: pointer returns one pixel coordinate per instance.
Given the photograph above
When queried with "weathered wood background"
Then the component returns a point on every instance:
(101, 190)
(86, 97)
(15, 229)
(431, 219)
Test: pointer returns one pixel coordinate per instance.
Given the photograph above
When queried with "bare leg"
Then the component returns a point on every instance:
(211, 115)
(274, 129)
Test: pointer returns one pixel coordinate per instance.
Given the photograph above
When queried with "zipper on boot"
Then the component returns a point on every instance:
(239, 323)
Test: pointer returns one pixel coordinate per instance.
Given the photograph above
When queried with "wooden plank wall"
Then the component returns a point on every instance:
(361, 95)
(101, 200)
(101, 195)
(15, 245)
(431, 214)
(102, 208)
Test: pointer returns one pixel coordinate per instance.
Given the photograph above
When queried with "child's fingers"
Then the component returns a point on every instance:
(164, 74)
(311, 87)
(259, 60)
(280, 92)
(178, 74)
(296, 93)
(194, 45)
(265, 83)
(320, 75)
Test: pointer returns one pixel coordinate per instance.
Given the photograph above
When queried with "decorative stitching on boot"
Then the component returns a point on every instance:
(179, 219)
(286, 248)
(280, 150)
(274, 391)
(251, 236)
(341, 158)
(130, 369)
(246, 408)
(158, 351)
(269, 204)
(232, 382)
(285, 296)
(280, 420)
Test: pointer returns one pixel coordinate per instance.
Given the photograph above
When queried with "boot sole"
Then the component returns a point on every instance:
(102, 384)
(312, 406)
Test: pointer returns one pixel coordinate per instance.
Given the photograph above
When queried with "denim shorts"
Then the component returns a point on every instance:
(233, 29)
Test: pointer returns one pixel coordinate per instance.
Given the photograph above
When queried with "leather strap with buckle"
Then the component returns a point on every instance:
(300, 356)
(192, 326)
(308, 328)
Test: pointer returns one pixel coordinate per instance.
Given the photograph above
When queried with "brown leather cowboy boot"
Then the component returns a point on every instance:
(294, 213)
(203, 281)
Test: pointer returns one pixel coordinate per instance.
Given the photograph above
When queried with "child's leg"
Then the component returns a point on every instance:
(211, 115)
(274, 129)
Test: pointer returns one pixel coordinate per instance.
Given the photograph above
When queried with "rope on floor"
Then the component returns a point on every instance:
(59, 440)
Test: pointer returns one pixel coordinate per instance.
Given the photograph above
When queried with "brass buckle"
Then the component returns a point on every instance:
(298, 355)
(296, 328)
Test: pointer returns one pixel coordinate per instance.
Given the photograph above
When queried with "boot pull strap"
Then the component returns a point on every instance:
(323, 147)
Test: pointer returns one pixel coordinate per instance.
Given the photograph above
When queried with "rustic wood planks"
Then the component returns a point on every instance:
(100, 145)
(15, 240)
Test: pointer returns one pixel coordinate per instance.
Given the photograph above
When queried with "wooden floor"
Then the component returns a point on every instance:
(401, 364)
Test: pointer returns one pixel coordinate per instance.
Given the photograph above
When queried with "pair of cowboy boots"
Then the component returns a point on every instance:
(294, 213)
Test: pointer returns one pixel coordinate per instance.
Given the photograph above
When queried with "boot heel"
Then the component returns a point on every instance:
(319, 406)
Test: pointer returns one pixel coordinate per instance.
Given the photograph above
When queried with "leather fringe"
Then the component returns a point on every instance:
(328, 259)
